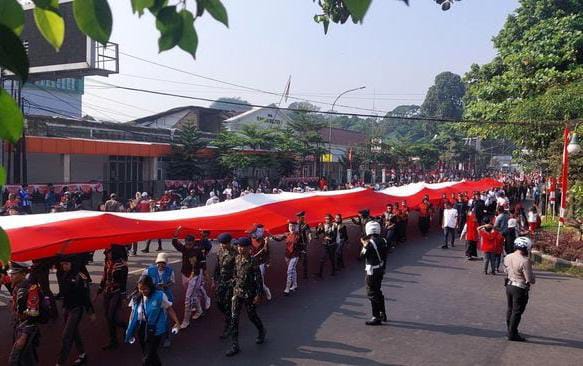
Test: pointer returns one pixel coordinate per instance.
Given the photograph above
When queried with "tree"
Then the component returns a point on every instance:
(444, 98)
(536, 77)
(185, 163)
(305, 128)
(234, 104)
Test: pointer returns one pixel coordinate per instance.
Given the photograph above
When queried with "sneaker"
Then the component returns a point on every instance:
(374, 321)
(444, 247)
(261, 337)
(383, 317)
(145, 251)
(81, 360)
(196, 315)
(286, 293)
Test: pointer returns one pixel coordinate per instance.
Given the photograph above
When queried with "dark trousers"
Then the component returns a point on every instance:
(111, 305)
(449, 233)
(149, 344)
(224, 295)
(238, 303)
(471, 248)
(517, 300)
(374, 292)
(424, 223)
(304, 259)
(490, 258)
(26, 341)
(462, 223)
(329, 253)
(497, 260)
(391, 237)
(71, 334)
(147, 248)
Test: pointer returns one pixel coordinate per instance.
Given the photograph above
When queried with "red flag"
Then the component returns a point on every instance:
(564, 175)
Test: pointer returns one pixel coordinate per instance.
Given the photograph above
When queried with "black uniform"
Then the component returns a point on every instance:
(114, 285)
(374, 254)
(329, 233)
(223, 276)
(247, 285)
(76, 301)
(304, 232)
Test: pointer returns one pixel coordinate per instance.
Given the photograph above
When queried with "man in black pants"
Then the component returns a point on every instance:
(305, 238)
(76, 301)
(328, 231)
(374, 252)
(520, 278)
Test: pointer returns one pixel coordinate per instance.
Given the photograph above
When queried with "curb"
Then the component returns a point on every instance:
(539, 257)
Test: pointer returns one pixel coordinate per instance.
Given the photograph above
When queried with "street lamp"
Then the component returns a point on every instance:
(570, 148)
(330, 124)
(573, 148)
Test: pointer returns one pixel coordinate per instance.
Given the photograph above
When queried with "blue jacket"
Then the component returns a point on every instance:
(165, 279)
(155, 315)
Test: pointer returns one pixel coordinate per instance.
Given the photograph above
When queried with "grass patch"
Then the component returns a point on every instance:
(550, 267)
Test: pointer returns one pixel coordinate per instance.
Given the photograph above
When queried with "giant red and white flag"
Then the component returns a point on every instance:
(46, 235)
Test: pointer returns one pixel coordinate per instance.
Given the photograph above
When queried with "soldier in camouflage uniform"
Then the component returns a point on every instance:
(223, 278)
(247, 290)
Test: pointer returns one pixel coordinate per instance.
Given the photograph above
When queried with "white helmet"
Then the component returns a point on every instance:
(522, 242)
(372, 227)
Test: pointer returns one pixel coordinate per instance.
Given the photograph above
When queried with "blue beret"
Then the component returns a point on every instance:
(224, 238)
(244, 241)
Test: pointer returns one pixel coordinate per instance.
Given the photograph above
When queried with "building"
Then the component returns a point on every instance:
(207, 120)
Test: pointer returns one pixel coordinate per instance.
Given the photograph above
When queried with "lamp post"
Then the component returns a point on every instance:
(571, 147)
(330, 124)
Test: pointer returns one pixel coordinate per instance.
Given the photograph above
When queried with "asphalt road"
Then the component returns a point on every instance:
(442, 311)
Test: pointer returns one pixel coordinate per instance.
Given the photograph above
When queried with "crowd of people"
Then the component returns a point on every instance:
(489, 221)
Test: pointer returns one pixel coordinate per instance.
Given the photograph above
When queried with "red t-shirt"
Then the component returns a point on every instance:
(472, 228)
(491, 242)
(143, 206)
(424, 209)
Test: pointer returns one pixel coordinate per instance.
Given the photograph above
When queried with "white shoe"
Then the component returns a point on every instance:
(196, 315)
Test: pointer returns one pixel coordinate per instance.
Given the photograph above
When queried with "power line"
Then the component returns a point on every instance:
(240, 85)
(375, 116)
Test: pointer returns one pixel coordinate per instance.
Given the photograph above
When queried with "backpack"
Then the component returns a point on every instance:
(40, 306)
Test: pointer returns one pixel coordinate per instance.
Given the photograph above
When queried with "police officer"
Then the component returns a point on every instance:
(520, 278)
(26, 332)
(223, 279)
(305, 235)
(374, 252)
(76, 301)
(247, 291)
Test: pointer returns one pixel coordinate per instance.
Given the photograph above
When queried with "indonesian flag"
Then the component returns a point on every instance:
(47, 235)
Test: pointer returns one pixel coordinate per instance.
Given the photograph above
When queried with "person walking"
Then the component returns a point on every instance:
(328, 231)
(191, 279)
(76, 301)
(26, 298)
(223, 279)
(519, 279)
(113, 286)
(341, 239)
(260, 251)
(425, 212)
(491, 241)
(164, 280)
(470, 232)
(374, 252)
(149, 320)
(305, 235)
(293, 248)
(449, 224)
(247, 291)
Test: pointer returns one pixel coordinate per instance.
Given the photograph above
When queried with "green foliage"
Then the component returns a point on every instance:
(217, 10)
(10, 118)
(138, 6)
(50, 24)
(12, 53)
(2, 176)
(189, 40)
(12, 16)
(94, 19)
(169, 23)
(576, 200)
(4, 248)
(185, 163)
(444, 98)
(540, 53)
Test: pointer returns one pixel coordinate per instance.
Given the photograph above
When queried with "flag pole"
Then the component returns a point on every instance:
(564, 182)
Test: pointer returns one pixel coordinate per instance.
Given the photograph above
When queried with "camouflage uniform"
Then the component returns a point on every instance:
(247, 285)
(223, 276)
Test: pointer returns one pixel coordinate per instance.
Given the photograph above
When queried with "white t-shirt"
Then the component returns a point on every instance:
(502, 201)
(450, 217)
(512, 223)
(165, 305)
(532, 217)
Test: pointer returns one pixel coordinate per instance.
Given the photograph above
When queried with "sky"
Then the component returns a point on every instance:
(395, 53)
